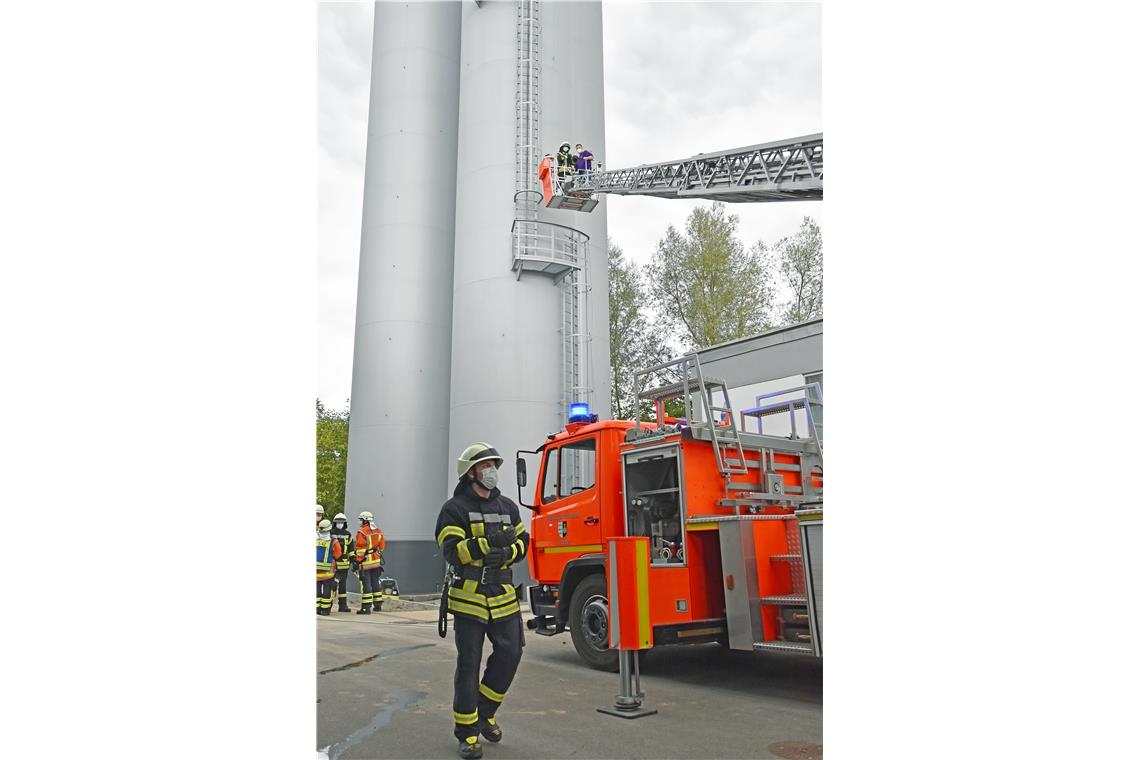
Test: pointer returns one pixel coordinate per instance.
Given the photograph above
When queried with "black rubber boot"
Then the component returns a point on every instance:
(470, 748)
(364, 611)
(376, 606)
(342, 606)
(490, 729)
(323, 611)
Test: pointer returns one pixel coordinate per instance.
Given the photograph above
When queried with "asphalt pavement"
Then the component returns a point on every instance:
(384, 686)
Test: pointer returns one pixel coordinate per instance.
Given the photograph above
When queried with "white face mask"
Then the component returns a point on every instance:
(489, 478)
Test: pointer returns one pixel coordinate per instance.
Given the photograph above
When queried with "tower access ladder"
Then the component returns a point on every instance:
(554, 250)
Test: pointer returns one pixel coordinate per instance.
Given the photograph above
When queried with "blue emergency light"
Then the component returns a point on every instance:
(579, 413)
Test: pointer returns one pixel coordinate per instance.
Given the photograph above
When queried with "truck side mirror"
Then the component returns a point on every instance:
(520, 471)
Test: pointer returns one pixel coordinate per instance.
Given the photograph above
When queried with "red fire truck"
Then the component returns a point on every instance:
(734, 518)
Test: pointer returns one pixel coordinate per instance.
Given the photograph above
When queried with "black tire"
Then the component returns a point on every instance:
(589, 623)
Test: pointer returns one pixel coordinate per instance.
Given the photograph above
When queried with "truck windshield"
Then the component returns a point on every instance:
(569, 469)
(577, 467)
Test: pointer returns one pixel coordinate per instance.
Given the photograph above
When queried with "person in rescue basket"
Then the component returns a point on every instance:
(343, 536)
(584, 159)
(482, 535)
(566, 165)
(328, 555)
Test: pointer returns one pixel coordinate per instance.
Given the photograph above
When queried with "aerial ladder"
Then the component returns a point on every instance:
(783, 170)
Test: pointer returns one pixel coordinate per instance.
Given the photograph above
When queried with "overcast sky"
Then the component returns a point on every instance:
(680, 79)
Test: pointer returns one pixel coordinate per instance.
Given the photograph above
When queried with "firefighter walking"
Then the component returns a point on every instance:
(343, 536)
(369, 545)
(328, 552)
(482, 535)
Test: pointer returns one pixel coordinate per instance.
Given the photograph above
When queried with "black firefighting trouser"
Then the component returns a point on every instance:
(342, 588)
(325, 594)
(370, 587)
(475, 699)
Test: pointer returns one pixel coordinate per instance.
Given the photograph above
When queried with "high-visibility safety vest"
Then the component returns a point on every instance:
(464, 523)
(328, 552)
(369, 544)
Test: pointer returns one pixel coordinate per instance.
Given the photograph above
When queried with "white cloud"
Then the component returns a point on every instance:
(680, 79)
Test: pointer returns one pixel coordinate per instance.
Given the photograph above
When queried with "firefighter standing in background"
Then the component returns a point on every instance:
(482, 535)
(320, 516)
(369, 545)
(328, 552)
(342, 536)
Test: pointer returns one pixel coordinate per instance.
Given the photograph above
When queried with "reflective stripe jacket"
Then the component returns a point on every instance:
(369, 544)
(328, 552)
(347, 545)
(566, 163)
(461, 532)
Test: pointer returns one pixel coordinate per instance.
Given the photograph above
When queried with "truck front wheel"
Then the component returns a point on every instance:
(590, 623)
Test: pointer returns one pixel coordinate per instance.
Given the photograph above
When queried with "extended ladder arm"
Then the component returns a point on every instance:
(784, 170)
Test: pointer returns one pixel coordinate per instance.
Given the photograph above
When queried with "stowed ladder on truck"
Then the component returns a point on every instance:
(771, 527)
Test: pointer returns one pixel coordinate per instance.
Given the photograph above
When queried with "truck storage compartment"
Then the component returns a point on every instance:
(653, 502)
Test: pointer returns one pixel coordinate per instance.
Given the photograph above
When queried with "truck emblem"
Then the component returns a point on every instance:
(562, 529)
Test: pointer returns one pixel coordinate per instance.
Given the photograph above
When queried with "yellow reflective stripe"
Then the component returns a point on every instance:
(477, 529)
(458, 593)
(643, 630)
(502, 598)
(514, 552)
(504, 611)
(521, 546)
(470, 585)
(490, 693)
(520, 529)
(562, 549)
(457, 606)
(464, 552)
(449, 530)
(466, 719)
(484, 545)
(703, 526)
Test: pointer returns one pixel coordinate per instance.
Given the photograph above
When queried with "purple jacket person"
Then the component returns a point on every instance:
(585, 161)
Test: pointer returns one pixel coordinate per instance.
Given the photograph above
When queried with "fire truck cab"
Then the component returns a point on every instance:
(734, 520)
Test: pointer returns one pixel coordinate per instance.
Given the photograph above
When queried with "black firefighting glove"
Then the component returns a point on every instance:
(502, 538)
(494, 557)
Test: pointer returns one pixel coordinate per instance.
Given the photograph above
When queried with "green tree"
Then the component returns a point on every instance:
(800, 260)
(705, 285)
(633, 342)
(332, 458)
